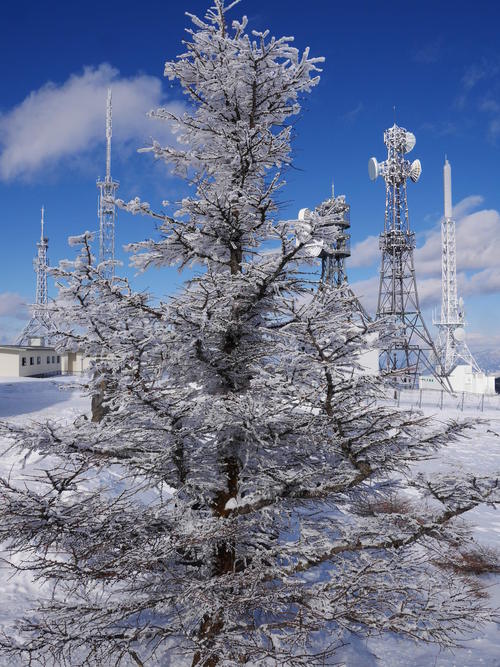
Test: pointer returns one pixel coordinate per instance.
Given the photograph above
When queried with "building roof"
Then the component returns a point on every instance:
(26, 348)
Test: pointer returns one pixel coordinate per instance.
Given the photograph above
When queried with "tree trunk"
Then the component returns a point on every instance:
(224, 557)
(99, 409)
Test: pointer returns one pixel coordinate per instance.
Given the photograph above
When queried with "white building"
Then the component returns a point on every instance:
(39, 360)
(33, 360)
(464, 378)
(74, 363)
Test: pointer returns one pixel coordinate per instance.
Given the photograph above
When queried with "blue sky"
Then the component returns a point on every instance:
(438, 63)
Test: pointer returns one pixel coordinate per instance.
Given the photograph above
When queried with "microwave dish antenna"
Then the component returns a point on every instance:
(410, 141)
(415, 170)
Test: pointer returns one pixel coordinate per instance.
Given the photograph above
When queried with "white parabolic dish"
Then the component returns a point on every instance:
(415, 170)
(459, 334)
(410, 141)
(373, 170)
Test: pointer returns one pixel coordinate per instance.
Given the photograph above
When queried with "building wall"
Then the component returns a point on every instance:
(74, 363)
(64, 363)
(41, 368)
(463, 378)
(83, 362)
(11, 362)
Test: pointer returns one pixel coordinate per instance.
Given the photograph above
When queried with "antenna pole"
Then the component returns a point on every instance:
(39, 324)
(106, 206)
(451, 341)
(109, 133)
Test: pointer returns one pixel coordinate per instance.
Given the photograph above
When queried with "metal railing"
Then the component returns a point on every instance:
(462, 401)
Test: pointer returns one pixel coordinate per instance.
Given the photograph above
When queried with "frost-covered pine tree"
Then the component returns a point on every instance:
(237, 502)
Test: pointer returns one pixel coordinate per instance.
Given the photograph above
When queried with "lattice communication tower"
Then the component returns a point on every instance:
(409, 349)
(106, 207)
(451, 345)
(39, 324)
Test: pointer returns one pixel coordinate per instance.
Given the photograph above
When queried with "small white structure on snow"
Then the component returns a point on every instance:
(39, 360)
(32, 360)
(464, 378)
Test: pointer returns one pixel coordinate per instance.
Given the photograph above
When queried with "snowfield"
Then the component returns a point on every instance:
(23, 400)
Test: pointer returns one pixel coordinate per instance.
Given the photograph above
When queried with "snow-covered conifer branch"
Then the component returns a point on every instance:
(232, 503)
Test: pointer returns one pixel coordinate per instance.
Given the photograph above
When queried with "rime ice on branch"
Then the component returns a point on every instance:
(246, 508)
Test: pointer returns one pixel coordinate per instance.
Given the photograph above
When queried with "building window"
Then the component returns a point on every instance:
(48, 360)
(38, 361)
(23, 362)
(32, 361)
(58, 359)
(53, 359)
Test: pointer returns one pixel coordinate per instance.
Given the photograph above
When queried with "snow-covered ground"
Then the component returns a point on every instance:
(27, 399)
(21, 400)
(479, 453)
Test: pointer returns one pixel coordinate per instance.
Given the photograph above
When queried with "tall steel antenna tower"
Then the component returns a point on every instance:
(451, 342)
(39, 322)
(409, 348)
(106, 206)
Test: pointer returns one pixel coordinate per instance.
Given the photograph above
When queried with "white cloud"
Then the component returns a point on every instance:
(62, 121)
(441, 128)
(13, 305)
(475, 73)
(351, 115)
(479, 90)
(365, 253)
(482, 282)
(367, 292)
(429, 53)
(477, 240)
(484, 341)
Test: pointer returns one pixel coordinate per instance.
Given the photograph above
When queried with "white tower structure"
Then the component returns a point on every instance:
(409, 350)
(39, 322)
(451, 342)
(106, 206)
(335, 213)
